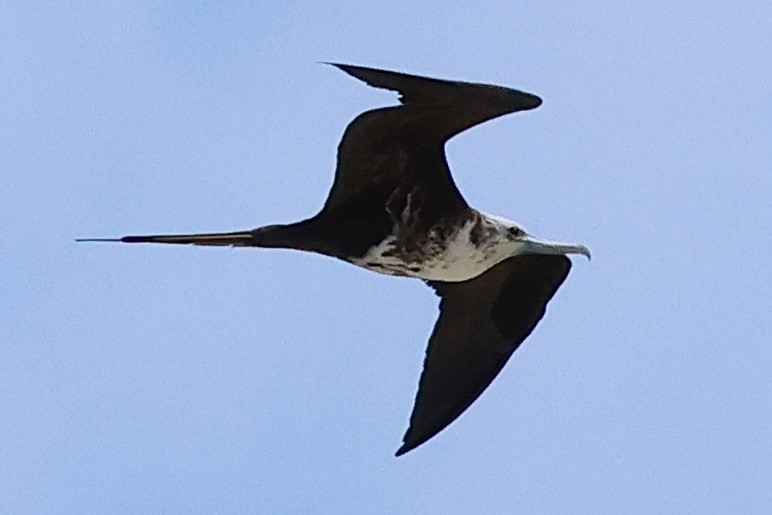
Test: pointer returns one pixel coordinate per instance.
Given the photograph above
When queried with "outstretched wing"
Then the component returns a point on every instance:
(387, 154)
(482, 322)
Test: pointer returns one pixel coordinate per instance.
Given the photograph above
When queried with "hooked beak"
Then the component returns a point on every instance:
(535, 246)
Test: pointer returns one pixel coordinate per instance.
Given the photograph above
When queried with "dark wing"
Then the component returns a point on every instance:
(482, 321)
(387, 154)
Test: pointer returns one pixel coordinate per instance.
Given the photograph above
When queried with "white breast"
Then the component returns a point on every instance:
(455, 259)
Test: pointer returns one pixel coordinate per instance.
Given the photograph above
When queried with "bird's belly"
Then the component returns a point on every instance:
(452, 261)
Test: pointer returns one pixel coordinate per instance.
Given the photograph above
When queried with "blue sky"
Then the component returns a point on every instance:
(143, 378)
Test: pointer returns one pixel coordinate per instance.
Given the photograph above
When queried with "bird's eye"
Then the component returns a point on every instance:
(515, 231)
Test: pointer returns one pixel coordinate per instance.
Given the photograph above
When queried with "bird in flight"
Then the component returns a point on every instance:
(394, 209)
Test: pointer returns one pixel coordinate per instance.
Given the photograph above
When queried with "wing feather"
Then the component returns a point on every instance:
(482, 322)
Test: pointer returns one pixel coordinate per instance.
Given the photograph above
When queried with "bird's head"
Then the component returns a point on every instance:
(528, 244)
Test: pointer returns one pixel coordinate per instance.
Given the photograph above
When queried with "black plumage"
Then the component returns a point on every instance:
(393, 187)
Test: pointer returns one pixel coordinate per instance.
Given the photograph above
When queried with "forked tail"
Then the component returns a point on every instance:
(234, 239)
(293, 236)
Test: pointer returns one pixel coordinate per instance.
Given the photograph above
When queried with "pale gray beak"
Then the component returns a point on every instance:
(535, 246)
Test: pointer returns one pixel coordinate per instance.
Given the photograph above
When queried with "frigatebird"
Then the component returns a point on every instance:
(394, 208)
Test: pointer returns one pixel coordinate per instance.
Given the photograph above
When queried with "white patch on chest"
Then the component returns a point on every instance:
(452, 260)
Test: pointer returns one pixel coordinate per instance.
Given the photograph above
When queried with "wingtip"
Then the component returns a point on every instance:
(408, 444)
(403, 450)
(525, 101)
